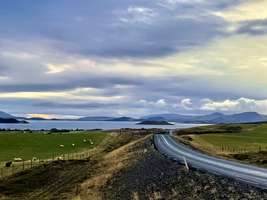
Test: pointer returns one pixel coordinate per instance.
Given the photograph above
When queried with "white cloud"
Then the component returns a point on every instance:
(237, 105)
(186, 103)
(56, 68)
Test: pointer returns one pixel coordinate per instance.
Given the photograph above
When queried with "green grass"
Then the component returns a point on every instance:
(251, 138)
(42, 145)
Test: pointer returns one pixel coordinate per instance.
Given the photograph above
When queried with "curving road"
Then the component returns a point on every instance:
(249, 174)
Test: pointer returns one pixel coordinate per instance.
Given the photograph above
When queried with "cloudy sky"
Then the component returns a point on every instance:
(132, 57)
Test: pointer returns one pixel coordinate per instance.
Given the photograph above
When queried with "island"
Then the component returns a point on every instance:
(150, 122)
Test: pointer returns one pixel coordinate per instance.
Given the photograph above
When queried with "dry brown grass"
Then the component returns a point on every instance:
(109, 164)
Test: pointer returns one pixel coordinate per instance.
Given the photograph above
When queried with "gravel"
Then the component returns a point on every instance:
(157, 177)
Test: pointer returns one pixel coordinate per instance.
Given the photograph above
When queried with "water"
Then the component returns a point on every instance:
(88, 125)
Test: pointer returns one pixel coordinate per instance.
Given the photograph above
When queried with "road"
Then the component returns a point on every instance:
(249, 174)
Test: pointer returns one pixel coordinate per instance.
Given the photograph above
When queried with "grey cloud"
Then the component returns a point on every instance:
(100, 32)
(253, 27)
(75, 105)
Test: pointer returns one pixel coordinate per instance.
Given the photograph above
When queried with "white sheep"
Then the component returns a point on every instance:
(18, 159)
(60, 158)
(73, 145)
(61, 145)
(84, 140)
(34, 159)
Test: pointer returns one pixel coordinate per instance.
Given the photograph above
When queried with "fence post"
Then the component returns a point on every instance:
(2, 172)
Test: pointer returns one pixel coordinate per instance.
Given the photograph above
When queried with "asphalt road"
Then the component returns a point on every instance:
(249, 174)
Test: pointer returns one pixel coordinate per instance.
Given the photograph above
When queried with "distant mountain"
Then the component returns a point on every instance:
(97, 118)
(5, 115)
(123, 119)
(103, 118)
(150, 122)
(246, 117)
(11, 121)
(214, 118)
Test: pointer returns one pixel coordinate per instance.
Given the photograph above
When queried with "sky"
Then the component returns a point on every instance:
(132, 57)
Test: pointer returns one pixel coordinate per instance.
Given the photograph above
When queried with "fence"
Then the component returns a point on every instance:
(24, 165)
(239, 149)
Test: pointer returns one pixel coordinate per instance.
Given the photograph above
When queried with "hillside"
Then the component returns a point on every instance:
(11, 121)
(5, 115)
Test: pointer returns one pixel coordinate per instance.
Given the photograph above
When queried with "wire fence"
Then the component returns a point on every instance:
(10, 168)
(241, 149)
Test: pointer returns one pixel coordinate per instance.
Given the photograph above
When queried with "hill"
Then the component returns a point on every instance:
(11, 121)
(149, 122)
(123, 119)
(95, 118)
(5, 115)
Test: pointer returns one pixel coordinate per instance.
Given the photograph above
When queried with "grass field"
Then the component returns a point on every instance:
(42, 145)
(249, 138)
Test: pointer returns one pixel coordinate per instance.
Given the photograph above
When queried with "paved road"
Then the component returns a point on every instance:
(249, 174)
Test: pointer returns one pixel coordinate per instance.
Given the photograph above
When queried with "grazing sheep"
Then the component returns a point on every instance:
(61, 145)
(34, 159)
(60, 158)
(8, 164)
(73, 145)
(84, 140)
(18, 159)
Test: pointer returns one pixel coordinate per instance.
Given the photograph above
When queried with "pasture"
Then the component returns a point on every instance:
(250, 138)
(42, 145)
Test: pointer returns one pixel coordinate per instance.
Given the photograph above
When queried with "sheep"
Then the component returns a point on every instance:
(34, 159)
(73, 145)
(8, 164)
(84, 140)
(60, 158)
(18, 159)
(61, 145)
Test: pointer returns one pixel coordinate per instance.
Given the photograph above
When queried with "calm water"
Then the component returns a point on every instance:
(47, 125)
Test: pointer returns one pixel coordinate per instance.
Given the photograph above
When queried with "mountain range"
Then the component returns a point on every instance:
(213, 118)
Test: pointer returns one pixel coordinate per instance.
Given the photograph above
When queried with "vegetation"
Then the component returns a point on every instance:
(244, 142)
(43, 144)
(223, 128)
(248, 138)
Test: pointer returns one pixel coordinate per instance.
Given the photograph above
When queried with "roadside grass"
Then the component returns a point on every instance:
(42, 145)
(251, 138)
